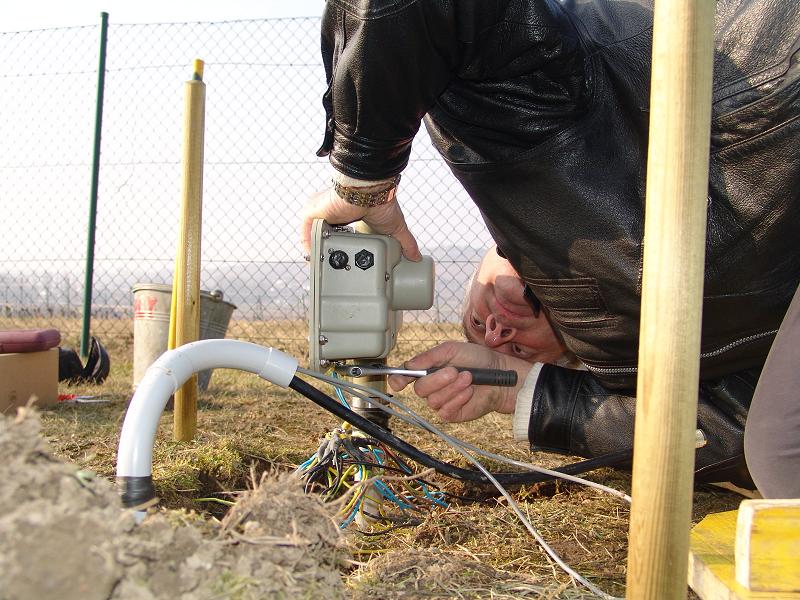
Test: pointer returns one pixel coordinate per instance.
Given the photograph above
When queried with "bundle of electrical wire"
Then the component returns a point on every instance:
(377, 489)
(395, 408)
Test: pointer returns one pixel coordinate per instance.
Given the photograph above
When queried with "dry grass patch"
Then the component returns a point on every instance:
(476, 548)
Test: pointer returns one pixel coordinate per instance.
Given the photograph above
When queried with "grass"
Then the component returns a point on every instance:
(469, 550)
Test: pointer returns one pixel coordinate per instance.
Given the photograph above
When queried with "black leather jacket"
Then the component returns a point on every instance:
(541, 110)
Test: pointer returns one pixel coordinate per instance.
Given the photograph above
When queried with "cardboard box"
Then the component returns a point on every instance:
(26, 374)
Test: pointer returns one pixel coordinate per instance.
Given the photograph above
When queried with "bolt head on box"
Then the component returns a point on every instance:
(364, 259)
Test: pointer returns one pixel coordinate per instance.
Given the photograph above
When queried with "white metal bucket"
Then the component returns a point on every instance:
(151, 307)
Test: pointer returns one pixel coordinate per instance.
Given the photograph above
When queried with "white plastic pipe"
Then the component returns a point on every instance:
(170, 372)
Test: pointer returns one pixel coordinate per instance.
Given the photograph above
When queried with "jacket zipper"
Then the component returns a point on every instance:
(709, 354)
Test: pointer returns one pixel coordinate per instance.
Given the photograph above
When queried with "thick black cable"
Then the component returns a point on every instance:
(379, 433)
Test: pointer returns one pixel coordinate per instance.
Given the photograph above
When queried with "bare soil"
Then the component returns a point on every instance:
(65, 536)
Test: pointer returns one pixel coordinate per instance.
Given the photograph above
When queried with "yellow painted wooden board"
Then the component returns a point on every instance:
(768, 545)
(712, 569)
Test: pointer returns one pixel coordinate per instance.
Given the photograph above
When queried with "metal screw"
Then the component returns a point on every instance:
(322, 340)
(386, 277)
(326, 234)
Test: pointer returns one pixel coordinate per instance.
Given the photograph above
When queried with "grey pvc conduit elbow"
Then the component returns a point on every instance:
(162, 379)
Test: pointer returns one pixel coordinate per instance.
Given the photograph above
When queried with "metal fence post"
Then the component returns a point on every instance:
(98, 127)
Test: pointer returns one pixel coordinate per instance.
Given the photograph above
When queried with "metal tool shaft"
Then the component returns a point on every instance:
(479, 376)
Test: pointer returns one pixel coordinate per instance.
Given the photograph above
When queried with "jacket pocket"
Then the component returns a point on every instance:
(758, 110)
(573, 303)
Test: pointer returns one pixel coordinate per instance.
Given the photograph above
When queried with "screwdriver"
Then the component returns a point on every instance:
(479, 376)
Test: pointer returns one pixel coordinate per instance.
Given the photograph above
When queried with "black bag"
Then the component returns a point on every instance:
(71, 370)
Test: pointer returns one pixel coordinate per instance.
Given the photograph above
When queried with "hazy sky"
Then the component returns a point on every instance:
(264, 122)
(40, 14)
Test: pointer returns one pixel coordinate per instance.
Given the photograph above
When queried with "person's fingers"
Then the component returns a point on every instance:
(399, 382)
(389, 219)
(305, 233)
(408, 244)
(434, 357)
(460, 408)
(307, 218)
(327, 205)
(441, 401)
(438, 383)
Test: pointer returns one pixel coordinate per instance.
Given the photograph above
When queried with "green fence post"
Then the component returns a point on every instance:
(98, 127)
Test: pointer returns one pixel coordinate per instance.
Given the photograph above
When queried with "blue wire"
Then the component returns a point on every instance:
(352, 516)
(339, 393)
(306, 464)
(376, 452)
(387, 493)
(435, 497)
(400, 500)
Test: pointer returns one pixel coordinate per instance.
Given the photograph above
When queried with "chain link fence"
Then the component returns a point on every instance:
(264, 122)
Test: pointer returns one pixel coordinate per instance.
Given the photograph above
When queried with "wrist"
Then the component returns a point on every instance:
(354, 182)
(524, 403)
(366, 194)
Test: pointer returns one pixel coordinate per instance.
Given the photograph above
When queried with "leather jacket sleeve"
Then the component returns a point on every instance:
(390, 62)
(572, 413)
(386, 64)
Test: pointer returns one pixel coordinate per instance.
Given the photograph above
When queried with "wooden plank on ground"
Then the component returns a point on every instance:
(712, 569)
(768, 545)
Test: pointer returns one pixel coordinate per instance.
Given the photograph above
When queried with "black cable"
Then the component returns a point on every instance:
(379, 433)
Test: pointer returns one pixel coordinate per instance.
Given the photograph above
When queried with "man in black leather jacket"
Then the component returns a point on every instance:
(541, 111)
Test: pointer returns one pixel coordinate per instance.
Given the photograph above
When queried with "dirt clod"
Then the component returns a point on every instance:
(64, 535)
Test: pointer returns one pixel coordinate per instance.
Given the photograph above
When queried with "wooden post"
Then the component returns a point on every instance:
(185, 317)
(672, 288)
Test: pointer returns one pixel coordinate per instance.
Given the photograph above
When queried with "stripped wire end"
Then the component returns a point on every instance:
(374, 487)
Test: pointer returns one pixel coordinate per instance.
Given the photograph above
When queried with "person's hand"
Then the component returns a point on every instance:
(387, 219)
(451, 393)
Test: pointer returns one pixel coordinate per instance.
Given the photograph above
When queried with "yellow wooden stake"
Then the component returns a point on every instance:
(672, 286)
(185, 320)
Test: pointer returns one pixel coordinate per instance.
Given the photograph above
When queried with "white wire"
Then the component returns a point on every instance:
(420, 421)
(460, 447)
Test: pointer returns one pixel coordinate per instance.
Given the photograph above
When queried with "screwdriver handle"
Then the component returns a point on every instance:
(487, 376)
